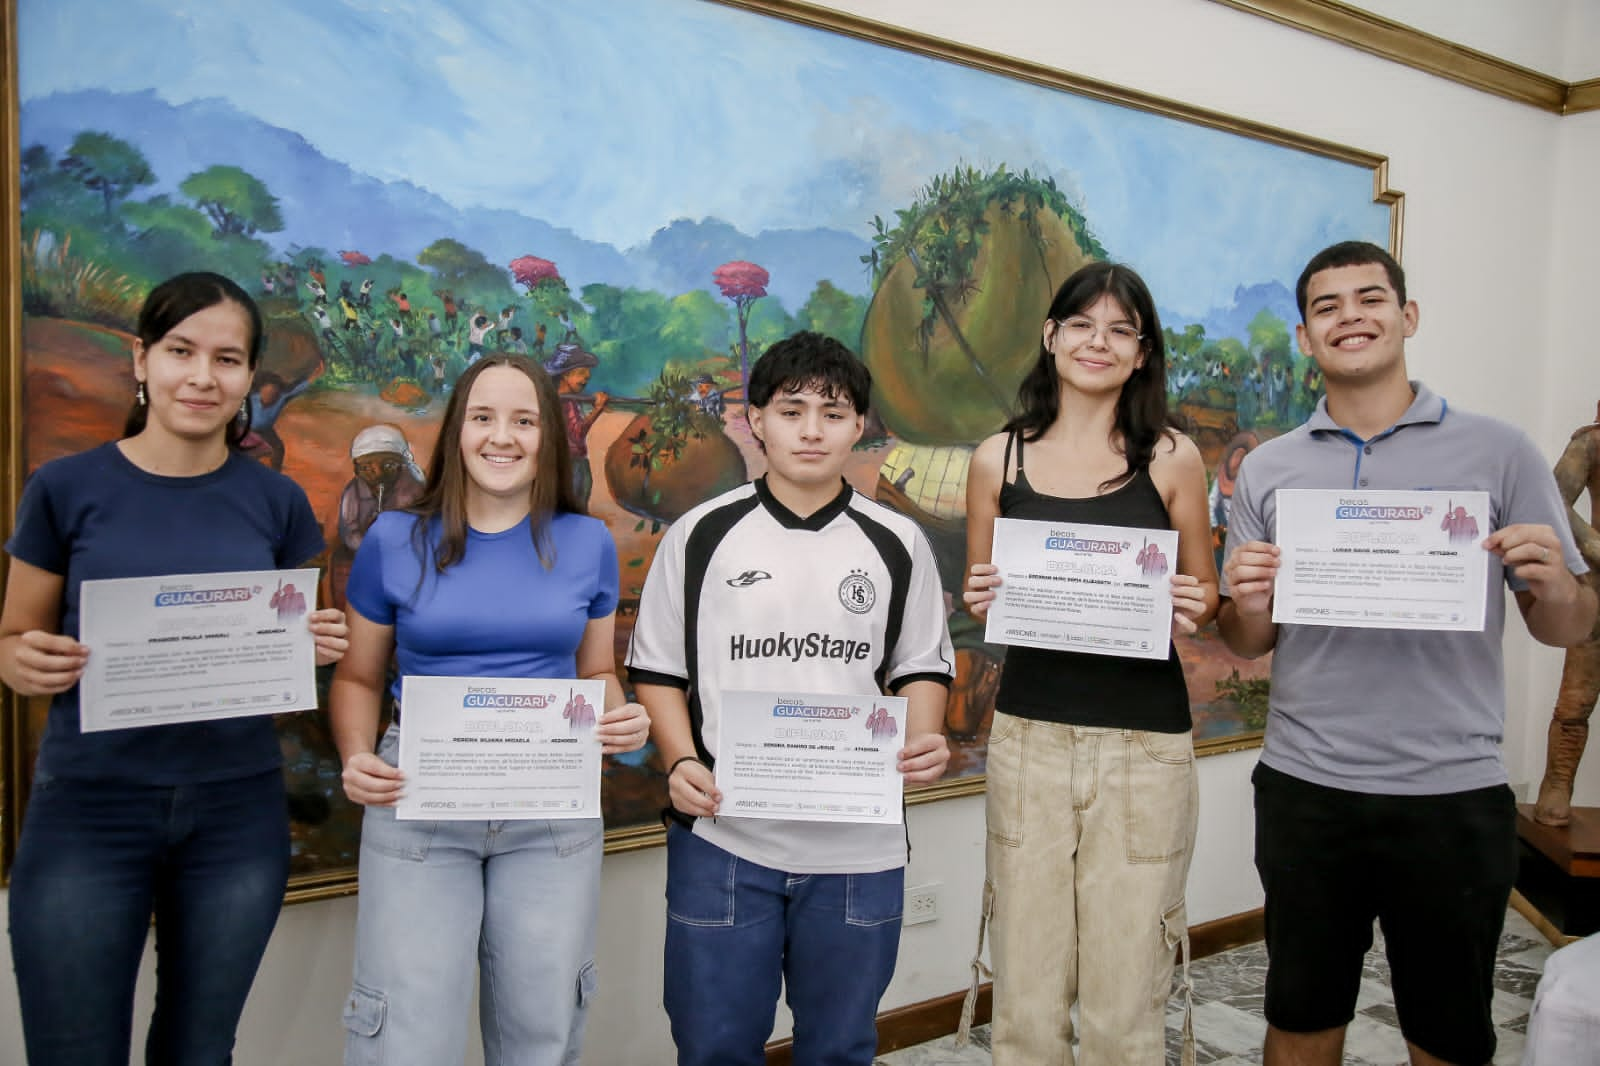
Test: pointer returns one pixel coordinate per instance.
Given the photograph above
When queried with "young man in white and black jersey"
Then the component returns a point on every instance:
(794, 582)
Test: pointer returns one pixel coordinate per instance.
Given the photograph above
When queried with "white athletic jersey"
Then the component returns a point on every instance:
(746, 595)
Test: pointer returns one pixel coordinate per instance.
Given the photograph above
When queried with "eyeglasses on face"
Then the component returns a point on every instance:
(1079, 330)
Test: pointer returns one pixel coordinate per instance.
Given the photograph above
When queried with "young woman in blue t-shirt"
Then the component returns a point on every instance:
(184, 822)
(1091, 783)
(495, 572)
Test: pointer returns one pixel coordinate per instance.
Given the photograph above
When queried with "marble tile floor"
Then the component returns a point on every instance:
(1229, 1027)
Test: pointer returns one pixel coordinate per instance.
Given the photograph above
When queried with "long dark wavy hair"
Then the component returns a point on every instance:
(1142, 416)
(175, 300)
(444, 494)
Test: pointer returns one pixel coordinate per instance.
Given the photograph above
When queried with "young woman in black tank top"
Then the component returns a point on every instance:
(1091, 791)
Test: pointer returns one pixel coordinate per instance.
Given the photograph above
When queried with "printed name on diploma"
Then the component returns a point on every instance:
(1384, 559)
(499, 748)
(1104, 590)
(810, 756)
(196, 647)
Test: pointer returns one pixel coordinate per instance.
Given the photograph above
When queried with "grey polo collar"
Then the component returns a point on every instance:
(1426, 406)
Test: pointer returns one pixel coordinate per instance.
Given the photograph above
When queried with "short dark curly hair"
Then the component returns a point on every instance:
(810, 360)
(1348, 254)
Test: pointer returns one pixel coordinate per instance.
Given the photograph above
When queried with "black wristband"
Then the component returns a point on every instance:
(679, 762)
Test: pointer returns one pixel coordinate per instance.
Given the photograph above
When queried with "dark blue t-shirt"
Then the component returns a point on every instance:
(495, 613)
(96, 515)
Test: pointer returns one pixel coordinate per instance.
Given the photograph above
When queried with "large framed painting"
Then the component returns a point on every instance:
(641, 194)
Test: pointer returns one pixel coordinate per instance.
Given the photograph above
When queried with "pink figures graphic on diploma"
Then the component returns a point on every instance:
(579, 713)
(289, 602)
(1152, 562)
(881, 724)
(1461, 527)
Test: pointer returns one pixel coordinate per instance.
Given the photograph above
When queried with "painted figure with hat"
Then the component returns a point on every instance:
(387, 478)
(707, 397)
(570, 369)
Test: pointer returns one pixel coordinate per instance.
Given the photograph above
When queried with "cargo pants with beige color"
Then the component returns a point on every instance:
(1090, 834)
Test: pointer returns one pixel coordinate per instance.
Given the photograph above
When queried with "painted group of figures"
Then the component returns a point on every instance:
(1268, 388)
(366, 332)
(1363, 813)
(387, 477)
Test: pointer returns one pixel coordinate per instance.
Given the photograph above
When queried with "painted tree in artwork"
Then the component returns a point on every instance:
(744, 283)
(236, 201)
(530, 271)
(109, 165)
(459, 266)
(546, 287)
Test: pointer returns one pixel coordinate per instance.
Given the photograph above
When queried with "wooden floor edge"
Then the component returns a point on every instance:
(917, 1023)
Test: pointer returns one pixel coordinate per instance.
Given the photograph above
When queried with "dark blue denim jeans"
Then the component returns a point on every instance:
(96, 861)
(736, 931)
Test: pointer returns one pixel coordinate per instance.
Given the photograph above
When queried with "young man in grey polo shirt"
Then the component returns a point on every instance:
(1381, 792)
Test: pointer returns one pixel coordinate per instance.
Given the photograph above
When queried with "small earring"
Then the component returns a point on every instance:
(244, 410)
(139, 396)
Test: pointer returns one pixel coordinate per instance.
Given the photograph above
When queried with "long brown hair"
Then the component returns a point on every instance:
(444, 494)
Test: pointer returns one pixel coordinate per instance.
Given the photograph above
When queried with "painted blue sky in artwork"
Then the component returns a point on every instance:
(614, 117)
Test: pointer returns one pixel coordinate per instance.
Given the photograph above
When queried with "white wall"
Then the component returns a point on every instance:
(1581, 51)
(1500, 232)
(1573, 361)
(1536, 34)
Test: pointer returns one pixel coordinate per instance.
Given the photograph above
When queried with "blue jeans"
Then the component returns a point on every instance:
(517, 899)
(97, 859)
(736, 931)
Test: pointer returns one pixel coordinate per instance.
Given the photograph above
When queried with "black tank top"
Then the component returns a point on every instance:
(1076, 688)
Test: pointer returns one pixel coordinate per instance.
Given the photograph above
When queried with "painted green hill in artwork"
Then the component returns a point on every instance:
(963, 276)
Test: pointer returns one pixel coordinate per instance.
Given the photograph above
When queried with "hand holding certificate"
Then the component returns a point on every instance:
(1106, 590)
(811, 757)
(499, 748)
(1382, 559)
(194, 647)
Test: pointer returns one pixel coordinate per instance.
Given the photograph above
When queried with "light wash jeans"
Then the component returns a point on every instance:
(1090, 833)
(521, 898)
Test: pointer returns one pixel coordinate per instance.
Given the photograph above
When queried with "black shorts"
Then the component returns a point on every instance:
(1435, 871)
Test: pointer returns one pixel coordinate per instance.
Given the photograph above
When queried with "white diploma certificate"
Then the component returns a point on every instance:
(1106, 590)
(194, 647)
(1382, 559)
(810, 757)
(499, 748)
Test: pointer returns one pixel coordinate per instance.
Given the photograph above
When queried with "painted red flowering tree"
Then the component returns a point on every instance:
(355, 259)
(744, 283)
(530, 270)
(546, 287)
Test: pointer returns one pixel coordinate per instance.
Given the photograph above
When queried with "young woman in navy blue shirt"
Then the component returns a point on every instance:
(184, 822)
(494, 572)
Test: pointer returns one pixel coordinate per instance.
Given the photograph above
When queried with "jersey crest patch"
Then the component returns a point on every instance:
(857, 593)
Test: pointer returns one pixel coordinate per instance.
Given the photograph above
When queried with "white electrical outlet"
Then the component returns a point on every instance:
(922, 904)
